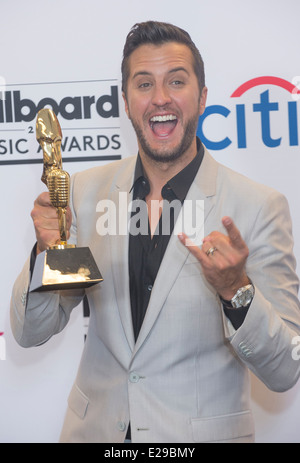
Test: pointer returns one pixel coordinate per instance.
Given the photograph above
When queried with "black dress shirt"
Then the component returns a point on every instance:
(146, 252)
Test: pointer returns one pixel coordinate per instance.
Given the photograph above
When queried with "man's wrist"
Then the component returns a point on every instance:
(242, 298)
(227, 294)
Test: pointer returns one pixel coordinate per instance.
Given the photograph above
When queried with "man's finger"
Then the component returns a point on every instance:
(43, 199)
(233, 233)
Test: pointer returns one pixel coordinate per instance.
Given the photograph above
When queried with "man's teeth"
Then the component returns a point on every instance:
(169, 117)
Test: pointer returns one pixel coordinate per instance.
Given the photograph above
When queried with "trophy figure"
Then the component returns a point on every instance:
(63, 265)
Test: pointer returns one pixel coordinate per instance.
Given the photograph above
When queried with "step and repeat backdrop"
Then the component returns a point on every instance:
(67, 54)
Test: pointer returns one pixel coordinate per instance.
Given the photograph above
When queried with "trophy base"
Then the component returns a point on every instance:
(67, 268)
(62, 245)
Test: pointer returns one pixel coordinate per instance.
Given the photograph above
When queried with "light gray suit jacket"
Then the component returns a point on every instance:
(186, 378)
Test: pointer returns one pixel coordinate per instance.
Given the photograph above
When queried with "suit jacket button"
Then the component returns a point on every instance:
(121, 426)
(246, 351)
(24, 297)
(134, 377)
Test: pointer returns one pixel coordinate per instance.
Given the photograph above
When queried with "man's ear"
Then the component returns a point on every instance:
(203, 98)
(126, 105)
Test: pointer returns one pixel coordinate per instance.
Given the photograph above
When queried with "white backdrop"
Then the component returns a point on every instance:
(71, 48)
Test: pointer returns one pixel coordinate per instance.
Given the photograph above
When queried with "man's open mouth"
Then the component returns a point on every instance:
(162, 126)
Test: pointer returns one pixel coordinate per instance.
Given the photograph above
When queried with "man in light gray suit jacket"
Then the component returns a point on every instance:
(176, 324)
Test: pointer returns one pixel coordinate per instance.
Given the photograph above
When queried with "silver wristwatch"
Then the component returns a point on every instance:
(243, 296)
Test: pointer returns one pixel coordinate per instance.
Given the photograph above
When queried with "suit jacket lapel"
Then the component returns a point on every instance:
(121, 198)
(203, 188)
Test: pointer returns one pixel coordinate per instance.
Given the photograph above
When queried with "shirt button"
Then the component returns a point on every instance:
(121, 426)
(150, 287)
(134, 377)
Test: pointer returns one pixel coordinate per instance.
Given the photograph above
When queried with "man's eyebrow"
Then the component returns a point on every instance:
(172, 71)
(179, 68)
(141, 73)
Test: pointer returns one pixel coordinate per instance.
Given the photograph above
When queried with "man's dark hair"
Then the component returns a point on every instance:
(158, 33)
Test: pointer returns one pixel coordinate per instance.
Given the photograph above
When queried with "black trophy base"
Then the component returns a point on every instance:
(69, 268)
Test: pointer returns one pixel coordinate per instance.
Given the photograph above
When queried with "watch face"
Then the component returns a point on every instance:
(246, 297)
(243, 297)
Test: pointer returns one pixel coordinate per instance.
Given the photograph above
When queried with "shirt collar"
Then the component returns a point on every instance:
(179, 184)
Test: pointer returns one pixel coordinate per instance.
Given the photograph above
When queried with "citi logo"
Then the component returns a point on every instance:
(15, 108)
(256, 117)
(2, 347)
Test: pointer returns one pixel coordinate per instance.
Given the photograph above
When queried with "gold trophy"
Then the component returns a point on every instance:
(63, 265)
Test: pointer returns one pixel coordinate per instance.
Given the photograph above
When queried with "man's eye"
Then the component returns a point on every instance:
(144, 85)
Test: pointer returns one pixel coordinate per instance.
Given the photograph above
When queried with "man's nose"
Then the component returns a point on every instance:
(161, 95)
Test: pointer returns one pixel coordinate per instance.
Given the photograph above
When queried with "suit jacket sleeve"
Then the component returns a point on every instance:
(264, 341)
(36, 317)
